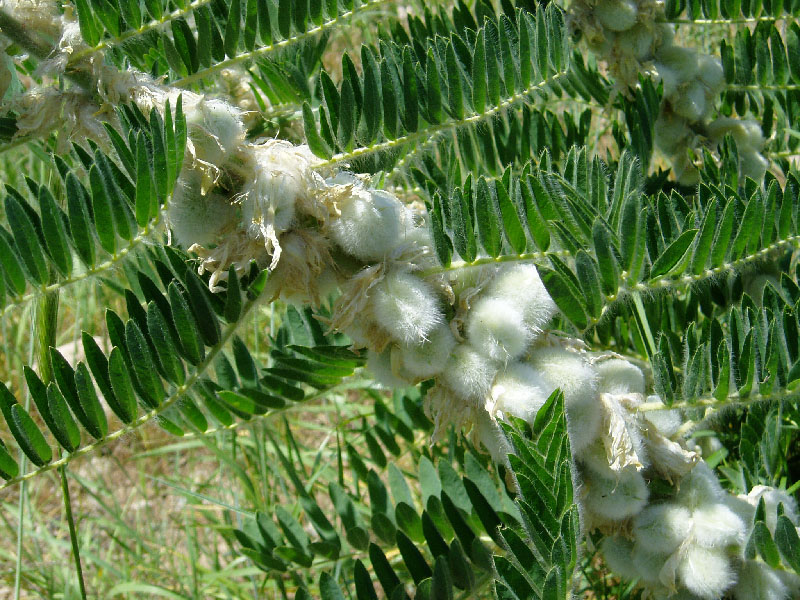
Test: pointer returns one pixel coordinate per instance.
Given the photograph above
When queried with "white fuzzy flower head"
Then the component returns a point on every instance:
(496, 327)
(616, 15)
(380, 365)
(520, 391)
(662, 527)
(618, 554)
(406, 307)
(426, 359)
(666, 422)
(195, 218)
(560, 368)
(616, 498)
(649, 565)
(521, 285)
(370, 224)
(469, 374)
(488, 432)
(215, 129)
(717, 526)
(618, 376)
(700, 487)
(281, 178)
(706, 573)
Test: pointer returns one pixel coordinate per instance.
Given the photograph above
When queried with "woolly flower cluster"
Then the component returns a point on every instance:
(479, 333)
(632, 38)
(690, 545)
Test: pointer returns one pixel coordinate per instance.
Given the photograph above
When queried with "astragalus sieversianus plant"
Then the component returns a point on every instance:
(463, 300)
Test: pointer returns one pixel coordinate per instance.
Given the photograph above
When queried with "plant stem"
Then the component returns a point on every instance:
(46, 329)
(73, 535)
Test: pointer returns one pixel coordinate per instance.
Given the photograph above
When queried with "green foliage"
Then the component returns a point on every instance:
(521, 150)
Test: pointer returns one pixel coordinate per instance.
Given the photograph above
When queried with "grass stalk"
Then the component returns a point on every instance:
(73, 536)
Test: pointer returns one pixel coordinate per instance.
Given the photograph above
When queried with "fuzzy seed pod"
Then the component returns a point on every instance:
(406, 307)
(380, 365)
(492, 437)
(371, 223)
(717, 526)
(616, 499)
(666, 422)
(710, 73)
(496, 327)
(578, 382)
(422, 361)
(664, 34)
(747, 134)
(758, 582)
(662, 527)
(281, 178)
(700, 487)
(195, 218)
(469, 374)
(520, 391)
(638, 40)
(215, 129)
(672, 133)
(616, 15)
(618, 376)
(706, 573)
(691, 103)
(521, 285)
(753, 165)
(618, 554)
(648, 564)
(681, 61)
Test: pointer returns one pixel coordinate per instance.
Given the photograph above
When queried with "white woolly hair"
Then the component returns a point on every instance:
(772, 497)
(522, 286)
(215, 128)
(281, 177)
(717, 526)
(406, 307)
(648, 564)
(706, 573)
(492, 437)
(618, 555)
(468, 373)
(195, 218)
(681, 61)
(520, 391)
(584, 421)
(578, 382)
(666, 422)
(662, 527)
(616, 15)
(425, 360)
(380, 365)
(700, 487)
(616, 499)
(566, 370)
(370, 224)
(618, 376)
(496, 327)
(757, 581)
